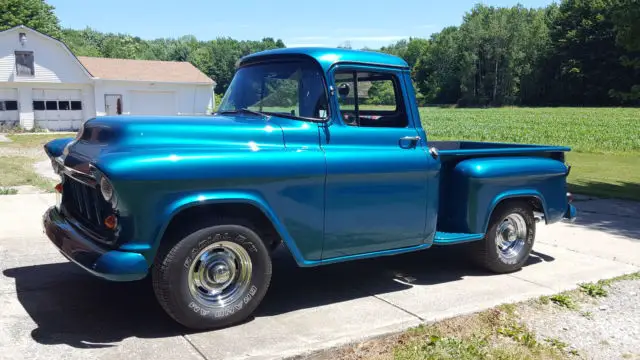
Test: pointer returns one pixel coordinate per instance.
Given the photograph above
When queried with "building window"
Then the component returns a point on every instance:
(38, 105)
(63, 105)
(8, 105)
(24, 63)
(76, 105)
(51, 105)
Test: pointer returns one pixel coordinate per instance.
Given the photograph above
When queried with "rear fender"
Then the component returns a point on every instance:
(481, 184)
(515, 195)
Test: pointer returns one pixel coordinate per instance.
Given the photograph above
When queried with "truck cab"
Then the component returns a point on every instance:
(320, 150)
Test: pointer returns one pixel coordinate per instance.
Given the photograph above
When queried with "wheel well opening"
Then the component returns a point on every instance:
(184, 222)
(533, 201)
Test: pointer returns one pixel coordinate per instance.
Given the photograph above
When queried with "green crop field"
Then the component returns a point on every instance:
(605, 142)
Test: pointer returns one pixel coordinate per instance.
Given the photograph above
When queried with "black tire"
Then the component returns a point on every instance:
(174, 264)
(487, 252)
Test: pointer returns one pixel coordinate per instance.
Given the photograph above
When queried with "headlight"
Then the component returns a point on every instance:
(106, 189)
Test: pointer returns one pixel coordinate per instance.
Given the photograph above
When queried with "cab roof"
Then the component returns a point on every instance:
(328, 57)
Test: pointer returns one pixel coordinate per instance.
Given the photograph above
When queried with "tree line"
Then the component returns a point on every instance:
(577, 52)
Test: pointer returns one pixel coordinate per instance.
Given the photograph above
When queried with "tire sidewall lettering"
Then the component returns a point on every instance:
(231, 309)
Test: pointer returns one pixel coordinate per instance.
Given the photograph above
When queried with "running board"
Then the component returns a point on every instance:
(445, 238)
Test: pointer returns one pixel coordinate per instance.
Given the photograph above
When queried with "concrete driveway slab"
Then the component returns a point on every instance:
(37, 325)
(445, 284)
(600, 235)
(566, 268)
(611, 207)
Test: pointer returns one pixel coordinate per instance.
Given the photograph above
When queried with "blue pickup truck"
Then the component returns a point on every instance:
(320, 150)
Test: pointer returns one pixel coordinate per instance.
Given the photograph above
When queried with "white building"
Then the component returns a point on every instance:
(43, 84)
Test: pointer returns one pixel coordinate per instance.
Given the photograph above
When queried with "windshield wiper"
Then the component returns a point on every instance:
(244, 110)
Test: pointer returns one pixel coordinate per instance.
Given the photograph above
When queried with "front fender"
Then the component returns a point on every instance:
(55, 148)
(186, 201)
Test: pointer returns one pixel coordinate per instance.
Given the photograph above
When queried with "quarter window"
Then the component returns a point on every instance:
(370, 99)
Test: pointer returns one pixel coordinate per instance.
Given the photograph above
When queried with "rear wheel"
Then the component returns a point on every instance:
(214, 276)
(509, 239)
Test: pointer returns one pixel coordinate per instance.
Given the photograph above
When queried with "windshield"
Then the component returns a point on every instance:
(292, 89)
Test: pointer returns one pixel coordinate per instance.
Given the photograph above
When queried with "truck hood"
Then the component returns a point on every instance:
(112, 135)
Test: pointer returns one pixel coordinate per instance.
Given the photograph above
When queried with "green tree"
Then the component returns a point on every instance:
(625, 16)
(410, 50)
(85, 42)
(36, 14)
(589, 68)
(437, 70)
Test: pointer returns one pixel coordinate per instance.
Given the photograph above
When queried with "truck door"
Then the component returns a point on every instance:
(378, 169)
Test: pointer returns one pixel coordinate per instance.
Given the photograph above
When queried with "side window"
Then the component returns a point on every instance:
(370, 99)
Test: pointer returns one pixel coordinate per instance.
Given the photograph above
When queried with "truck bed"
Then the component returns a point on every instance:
(449, 149)
(461, 192)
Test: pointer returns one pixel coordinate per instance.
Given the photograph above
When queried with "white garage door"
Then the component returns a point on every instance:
(152, 103)
(57, 109)
(9, 107)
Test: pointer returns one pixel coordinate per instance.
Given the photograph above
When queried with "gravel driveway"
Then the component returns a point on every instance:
(606, 328)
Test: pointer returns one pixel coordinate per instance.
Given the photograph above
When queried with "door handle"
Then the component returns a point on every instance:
(412, 140)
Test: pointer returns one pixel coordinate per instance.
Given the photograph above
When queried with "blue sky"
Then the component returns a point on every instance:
(296, 22)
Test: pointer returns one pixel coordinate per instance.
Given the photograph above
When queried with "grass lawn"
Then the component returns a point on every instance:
(18, 170)
(32, 141)
(605, 175)
(605, 142)
(17, 158)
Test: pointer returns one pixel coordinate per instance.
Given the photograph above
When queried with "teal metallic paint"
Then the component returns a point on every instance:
(571, 214)
(482, 183)
(332, 191)
(54, 148)
(327, 58)
(377, 186)
(164, 180)
(443, 238)
(98, 260)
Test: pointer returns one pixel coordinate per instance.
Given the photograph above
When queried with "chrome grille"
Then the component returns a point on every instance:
(85, 204)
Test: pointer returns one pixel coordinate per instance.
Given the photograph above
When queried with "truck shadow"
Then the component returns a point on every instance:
(73, 308)
(613, 216)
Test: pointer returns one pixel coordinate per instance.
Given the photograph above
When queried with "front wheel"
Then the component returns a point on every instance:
(213, 277)
(509, 239)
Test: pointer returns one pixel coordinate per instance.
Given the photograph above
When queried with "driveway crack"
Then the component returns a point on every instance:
(202, 355)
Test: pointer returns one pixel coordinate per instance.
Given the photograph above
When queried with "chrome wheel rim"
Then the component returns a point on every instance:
(511, 236)
(220, 274)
